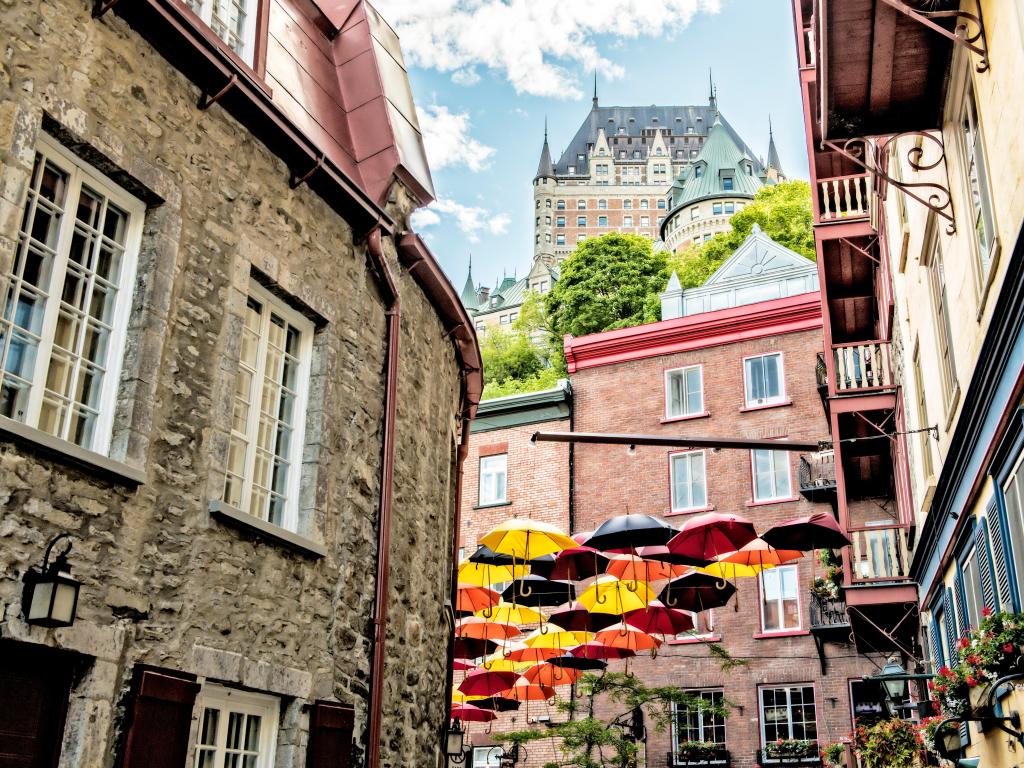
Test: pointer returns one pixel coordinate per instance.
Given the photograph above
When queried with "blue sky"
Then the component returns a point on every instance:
(485, 73)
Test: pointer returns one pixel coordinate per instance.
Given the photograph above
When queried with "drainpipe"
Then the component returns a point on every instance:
(393, 313)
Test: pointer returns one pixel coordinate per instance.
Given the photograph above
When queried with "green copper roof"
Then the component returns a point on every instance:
(720, 157)
(469, 290)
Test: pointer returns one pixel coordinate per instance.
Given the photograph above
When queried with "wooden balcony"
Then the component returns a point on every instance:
(878, 554)
(862, 367)
(844, 198)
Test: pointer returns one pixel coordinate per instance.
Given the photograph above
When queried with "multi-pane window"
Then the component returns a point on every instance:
(560, 205)
(661, 204)
(627, 221)
(581, 204)
(943, 327)
(716, 209)
(493, 479)
(763, 380)
(627, 205)
(976, 173)
(560, 238)
(702, 722)
(1013, 496)
(237, 729)
(788, 713)
(66, 300)
(547, 203)
(727, 183)
(689, 485)
(730, 207)
(780, 606)
(560, 221)
(771, 475)
(973, 598)
(694, 212)
(602, 221)
(602, 205)
(923, 422)
(487, 757)
(645, 221)
(581, 221)
(684, 392)
(269, 410)
(644, 205)
(233, 21)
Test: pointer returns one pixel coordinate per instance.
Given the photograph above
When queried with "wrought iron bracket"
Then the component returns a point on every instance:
(886, 633)
(819, 643)
(871, 157)
(963, 35)
(862, 251)
(207, 100)
(297, 181)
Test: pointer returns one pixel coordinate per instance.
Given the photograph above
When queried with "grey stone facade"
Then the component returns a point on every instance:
(165, 582)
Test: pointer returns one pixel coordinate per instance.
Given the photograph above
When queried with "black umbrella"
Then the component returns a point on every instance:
(471, 647)
(663, 554)
(568, 661)
(697, 592)
(536, 591)
(627, 532)
(496, 704)
(488, 556)
(542, 566)
(817, 531)
(575, 618)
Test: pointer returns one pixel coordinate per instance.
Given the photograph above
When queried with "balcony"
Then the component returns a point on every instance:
(717, 758)
(844, 198)
(879, 554)
(862, 367)
(818, 476)
(828, 614)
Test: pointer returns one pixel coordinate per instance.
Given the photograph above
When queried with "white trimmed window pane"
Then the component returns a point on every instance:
(771, 475)
(779, 601)
(689, 486)
(237, 729)
(493, 479)
(977, 182)
(233, 21)
(698, 723)
(763, 377)
(788, 713)
(685, 392)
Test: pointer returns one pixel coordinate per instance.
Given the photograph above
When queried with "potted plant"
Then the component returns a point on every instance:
(834, 755)
(825, 589)
(790, 748)
(699, 752)
(894, 743)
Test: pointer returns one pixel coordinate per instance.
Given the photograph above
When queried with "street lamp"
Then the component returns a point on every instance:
(455, 742)
(894, 680)
(50, 595)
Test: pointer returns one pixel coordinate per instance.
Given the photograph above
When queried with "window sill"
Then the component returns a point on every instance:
(766, 406)
(786, 633)
(671, 419)
(769, 502)
(697, 511)
(294, 541)
(695, 640)
(70, 452)
(495, 504)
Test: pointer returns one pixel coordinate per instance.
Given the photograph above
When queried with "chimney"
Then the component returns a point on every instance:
(483, 293)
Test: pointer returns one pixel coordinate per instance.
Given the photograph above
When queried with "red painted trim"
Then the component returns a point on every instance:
(782, 404)
(788, 633)
(674, 419)
(792, 314)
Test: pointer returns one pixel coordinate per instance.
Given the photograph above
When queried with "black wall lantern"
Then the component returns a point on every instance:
(455, 740)
(50, 596)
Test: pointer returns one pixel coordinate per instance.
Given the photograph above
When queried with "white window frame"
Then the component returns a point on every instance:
(645, 221)
(773, 573)
(274, 305)
(678, 712)
(774, 457)
(673, 373)
(79, 173)
(789, 707)
(765, 401)
(204, 10)
(688, 456)
(1013, 504)
(228, 700)
(971, 582)
(502, 499)
(984, 260)
(627, 221)
(487, 757)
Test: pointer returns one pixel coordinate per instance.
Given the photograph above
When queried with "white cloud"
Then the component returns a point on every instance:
(447, 140)
(533, 44)
(471, 220)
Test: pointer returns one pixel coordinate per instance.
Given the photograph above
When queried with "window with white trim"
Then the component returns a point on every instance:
(975, 168)
(973, 598)
(233, 21)
(1013, 498)
(684, 392)
(645, 221)
(780, 604)
(627, 221)
(65, 303)
(581, 221)
(763, 382)
(703, 625)
(771, 475)
(268, 413)
(689, 485)
(788, 713)
(493, 479)
(581, 204)
(487, 757)
(700, 722)
(237, 729)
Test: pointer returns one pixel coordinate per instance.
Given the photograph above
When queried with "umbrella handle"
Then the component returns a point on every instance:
(578, 692)
(601, 598)
(490, 724)
(722, 583)
(488, 612)
(627, 670)
(654, 653)
(670, 601)
(506, 652)
(624, 631)
(635, 586)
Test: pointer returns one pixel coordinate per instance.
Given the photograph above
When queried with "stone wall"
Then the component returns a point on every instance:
(165, 582)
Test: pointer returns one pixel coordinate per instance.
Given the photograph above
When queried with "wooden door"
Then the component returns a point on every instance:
(34, 685)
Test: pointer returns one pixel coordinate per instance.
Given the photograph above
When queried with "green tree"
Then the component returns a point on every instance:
(606, 283)
(509, 355)
(784, 213)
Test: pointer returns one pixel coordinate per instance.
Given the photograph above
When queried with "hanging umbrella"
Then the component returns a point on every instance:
(630, 568)
(553, 636)
(581, 663)
(508, 613)
(817, 531)
(576, 617)
(581, 536)
(656, 618)
(472, 598)
(728, 570)
(496, 704)
(595, 650)
(462, 665)
(524, 690)
(458, 697)
(471, 647)
(666, 555)
(712, 534)
(526, 539)
(526, 653)
(483, 575)
(625, 636)
(537, 591)
(482, 629)
(760, 553)
(578, 563)
(697, 592)
(498, 663)
(488, 556)
(551, 675)
(471, 714)
(627, 532)
(487, 682)
(611, 595)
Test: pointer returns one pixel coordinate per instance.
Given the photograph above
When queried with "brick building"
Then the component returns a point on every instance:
(208, 306)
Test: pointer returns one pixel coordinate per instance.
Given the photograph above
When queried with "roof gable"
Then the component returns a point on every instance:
(758, 255)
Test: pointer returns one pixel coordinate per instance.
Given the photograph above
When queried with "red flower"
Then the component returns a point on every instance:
(986, 611)
(963, 643)
(1008, 648)
(970, 681)
(945, 671)
(931, 685)
(973, 659)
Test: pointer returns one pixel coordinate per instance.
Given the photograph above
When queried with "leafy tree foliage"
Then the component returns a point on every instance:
(523, 358)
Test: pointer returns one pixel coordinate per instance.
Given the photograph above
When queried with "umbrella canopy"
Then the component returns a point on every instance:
(630, 568)
(727, 570)
(697, 592)
(760, 553)
(581, 663)
(530, 654)
(553, 636)
(656, 618)
(537, 591)
(488, 556)
(471, 714)
(498, 663)
(496, 704)
(483, 575)
(551, 675)
(526, 539)
(611, 595)
(508, 613)
(596, 650)
(482, 629)
(817, 531)
(461, 665)
(627, 532)
(579, 563)
(524, 690)
(625, 636)
(487, 682)
(471, 647)
(458, 697)
(472, 598)
(712, 534)
(666, 555)
(576, 617)
(541, 566)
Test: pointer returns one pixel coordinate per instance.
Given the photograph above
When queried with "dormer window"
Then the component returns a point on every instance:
(572, 169)
(727, 183)
(581, 158)
(622, 130)
(690, 129)
(750, 168)
(601, 151)
(698, 171)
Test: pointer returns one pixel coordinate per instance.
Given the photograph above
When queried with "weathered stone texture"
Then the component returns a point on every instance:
(164, 583)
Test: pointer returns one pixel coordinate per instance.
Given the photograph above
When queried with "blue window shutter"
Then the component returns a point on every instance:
(999, 557)
(962, 619)
(988, 577)
(950, 617)
(937, 660)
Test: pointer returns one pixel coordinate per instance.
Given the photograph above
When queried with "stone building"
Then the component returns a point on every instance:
(216, 320)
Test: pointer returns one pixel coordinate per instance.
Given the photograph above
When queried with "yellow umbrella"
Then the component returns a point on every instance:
(616, 596)
(526, 539)
(729, 570)
(483, 575)
(510, 613)
(458, 697)
(553, 636)
(497, 662)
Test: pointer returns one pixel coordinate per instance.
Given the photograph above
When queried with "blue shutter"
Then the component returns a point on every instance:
(962, 617)
(999, 556)
(988, 577)
(950, 617)
(937, 660)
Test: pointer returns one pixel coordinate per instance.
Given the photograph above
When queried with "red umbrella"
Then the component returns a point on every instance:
(472, 598)
(656, 618)
(711, 535)
(601, 651)
(817, 531)
(471, 714)
(483, 682)
(665, 555)
(575, 617)
(578, 563)
(697, 592)
(581, 536)
(460, 665)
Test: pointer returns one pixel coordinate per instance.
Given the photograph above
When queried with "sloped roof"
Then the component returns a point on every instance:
(703, 178)
(544, 167)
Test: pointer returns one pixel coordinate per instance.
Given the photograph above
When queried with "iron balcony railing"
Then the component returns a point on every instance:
(828, 613)
(818, 470)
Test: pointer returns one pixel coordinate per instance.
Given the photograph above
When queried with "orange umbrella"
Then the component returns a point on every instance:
(524, 690)
(625, 636)
(761, 553)
(629, 568)
(526, 653)
(550, 675)
(482, 629)
(473, 598)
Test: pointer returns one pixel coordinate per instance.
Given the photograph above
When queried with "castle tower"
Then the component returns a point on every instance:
(773, 169)
(543, 205)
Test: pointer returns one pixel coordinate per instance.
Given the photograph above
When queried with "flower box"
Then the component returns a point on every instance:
(790, 752)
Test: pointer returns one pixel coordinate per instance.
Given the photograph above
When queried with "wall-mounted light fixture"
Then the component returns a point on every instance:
(50, 595)
(455, 742)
